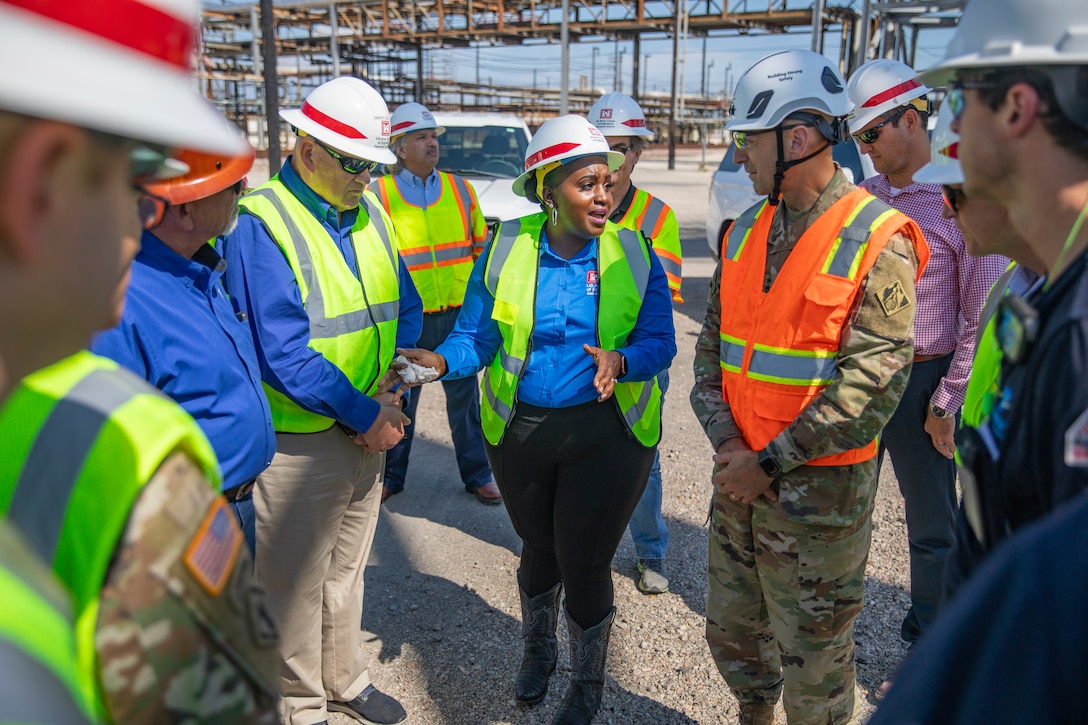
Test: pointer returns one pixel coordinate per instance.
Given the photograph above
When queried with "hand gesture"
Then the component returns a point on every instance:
(386, 431)
(740, 477)
(609, 366)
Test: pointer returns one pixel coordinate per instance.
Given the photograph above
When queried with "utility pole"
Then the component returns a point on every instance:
(564, 73)
(675, 62)
(593, 68)
(271, 96)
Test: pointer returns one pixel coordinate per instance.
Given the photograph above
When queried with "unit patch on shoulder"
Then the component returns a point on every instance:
(893, 298)
(211, 554)
(1076, 442)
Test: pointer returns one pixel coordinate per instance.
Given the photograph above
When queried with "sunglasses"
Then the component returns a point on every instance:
(743, 138)
(953, 196)
(870, 135)
(956, 100)
(621, 149)
(349, 164)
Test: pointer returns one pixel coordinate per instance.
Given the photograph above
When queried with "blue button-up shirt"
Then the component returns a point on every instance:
(416, 191)
(261, 282)
(181, 333)
(560, 373)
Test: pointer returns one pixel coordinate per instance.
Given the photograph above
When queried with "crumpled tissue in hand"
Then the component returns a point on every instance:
(413, 373)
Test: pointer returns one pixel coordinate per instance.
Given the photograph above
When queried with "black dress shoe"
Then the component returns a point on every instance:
(372, 707)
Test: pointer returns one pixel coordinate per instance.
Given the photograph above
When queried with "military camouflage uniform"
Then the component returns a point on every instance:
(786, 577)
(170, 650)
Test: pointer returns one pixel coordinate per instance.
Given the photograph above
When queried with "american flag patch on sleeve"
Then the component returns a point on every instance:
(211, 554)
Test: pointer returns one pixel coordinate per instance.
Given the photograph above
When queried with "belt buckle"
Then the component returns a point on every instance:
(239, 492)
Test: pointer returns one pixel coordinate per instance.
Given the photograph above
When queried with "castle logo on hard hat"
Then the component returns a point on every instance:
(830, 81)
(606, 113)
(594, 132)
(759, 104)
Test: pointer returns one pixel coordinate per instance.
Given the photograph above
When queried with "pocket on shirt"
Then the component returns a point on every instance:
(505, 312)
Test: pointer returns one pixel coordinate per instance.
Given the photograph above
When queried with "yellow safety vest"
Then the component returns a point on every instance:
(657, 222)
(511, 278)
(438, 243)
(116, 431)
(353, 322)
(37, 639)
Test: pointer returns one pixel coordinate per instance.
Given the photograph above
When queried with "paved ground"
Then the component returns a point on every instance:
(442, 614)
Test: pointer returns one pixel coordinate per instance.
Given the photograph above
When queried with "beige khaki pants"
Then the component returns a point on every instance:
(316, 509)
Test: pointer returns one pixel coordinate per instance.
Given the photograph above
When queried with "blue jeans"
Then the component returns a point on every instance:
(647, 526)
(243, 511)
(462, 412)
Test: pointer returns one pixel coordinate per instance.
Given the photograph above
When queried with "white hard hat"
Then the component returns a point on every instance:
(412, 117)
(348, 115)
(880, 86)
(944, 161)
(617, 114)
(564, 139)
(1015, 33)
(118, 66)
(783, 83)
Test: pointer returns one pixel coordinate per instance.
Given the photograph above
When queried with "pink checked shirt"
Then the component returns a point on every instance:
(952, 290)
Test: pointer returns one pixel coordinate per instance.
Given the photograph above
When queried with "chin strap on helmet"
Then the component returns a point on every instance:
(834, 131)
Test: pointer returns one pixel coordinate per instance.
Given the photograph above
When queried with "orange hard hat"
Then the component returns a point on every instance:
(208, 174)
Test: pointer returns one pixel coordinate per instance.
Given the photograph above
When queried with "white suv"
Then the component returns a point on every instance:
(488, 149)
(731, 191)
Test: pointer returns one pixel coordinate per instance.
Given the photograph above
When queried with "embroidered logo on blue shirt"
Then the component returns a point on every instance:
(593, 283)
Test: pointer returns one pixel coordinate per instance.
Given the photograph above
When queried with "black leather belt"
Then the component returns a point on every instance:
(239, 492)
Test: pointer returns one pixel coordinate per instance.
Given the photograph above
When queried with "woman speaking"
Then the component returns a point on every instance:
(571, 319)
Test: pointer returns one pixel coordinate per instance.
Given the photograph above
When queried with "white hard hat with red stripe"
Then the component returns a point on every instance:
(412, 117)
(880, 86)
(346, 114)
(118, 66)
(560, 141)
(617, 114)
(944, 161)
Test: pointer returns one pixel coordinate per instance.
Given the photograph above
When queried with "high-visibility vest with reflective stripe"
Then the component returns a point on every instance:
(352, 324)
(511, 278)
(779, 349)
(657, 222)
(437, 243)
(36, 635)
(80, 439)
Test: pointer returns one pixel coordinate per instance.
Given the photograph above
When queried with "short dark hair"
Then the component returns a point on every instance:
(1068, 134)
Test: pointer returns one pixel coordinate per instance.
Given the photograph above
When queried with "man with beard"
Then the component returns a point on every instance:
(182, 333)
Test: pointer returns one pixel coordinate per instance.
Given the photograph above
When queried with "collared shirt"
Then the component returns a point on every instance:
(181, 333)
(265, 289)
(560, 373)
(416, 191)
(953, 287)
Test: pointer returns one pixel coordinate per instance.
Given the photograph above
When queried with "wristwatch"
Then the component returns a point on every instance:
(938, 412)
(768, 464)
(623, 365)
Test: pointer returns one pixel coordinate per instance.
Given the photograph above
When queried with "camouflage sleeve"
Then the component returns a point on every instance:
(873, 366)
(706, 396)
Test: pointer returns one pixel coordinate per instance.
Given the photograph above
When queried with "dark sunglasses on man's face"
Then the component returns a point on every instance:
(349, 164)
(956, 100)
(953, 196)
(870, 135)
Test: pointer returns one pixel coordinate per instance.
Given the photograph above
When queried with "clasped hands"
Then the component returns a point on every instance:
(741, 478)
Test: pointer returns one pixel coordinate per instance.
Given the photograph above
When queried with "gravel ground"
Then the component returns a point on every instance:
(442, 617)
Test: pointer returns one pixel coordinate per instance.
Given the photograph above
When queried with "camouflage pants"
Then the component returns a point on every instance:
(782, 600)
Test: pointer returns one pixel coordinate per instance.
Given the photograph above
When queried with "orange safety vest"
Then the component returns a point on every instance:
(779, 349)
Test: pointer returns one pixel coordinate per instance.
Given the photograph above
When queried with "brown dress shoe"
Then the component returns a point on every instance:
(488, 494)
(387, 492)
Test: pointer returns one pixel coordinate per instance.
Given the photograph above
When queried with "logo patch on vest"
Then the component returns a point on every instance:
(211, 554)
(893, 298)
(1076, 442)
(593, 283)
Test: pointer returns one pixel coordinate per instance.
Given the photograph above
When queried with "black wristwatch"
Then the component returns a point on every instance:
(768, 464)
(938, 412)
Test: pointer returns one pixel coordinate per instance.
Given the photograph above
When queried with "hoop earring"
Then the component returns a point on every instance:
(555, 216)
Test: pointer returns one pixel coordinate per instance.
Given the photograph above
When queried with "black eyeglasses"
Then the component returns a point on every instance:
(742, 138)
(621, 148)
(956, 100)
(953, 196)
(870, 135)
(349, 164)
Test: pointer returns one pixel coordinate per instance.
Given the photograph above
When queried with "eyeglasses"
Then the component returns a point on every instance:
(956, 100)
(870, 135)
(349, 164)
(743, 138)
(953, 196)
(621, 148)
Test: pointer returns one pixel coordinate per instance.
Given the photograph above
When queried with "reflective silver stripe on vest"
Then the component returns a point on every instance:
(416, 259)
(462, 187)
(48, 479)
(462, 252)
(32, 692)
(322, 327)
(854, 236)
(510, 363)
(669, 266)
(501, 409)
(791, 369)
(632, 246)
(633, 415)
(731, 353)
(654, 210)
(504, 244)
(739, 231)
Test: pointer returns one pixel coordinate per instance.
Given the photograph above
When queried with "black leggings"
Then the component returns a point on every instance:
(570, 479)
